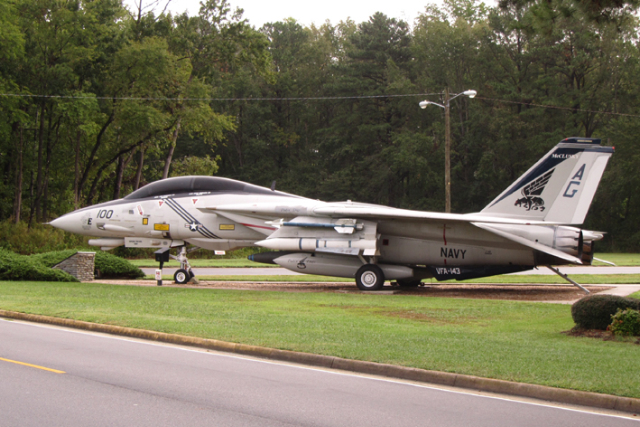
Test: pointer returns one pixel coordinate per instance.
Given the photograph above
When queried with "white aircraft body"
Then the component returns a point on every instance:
(532, 223)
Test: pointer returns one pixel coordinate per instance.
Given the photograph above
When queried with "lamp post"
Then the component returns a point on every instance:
(447, 139)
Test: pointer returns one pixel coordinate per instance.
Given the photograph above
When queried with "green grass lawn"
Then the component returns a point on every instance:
(509, 340)
(619, 259)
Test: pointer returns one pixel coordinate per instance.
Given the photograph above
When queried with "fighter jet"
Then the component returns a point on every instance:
(532, 223)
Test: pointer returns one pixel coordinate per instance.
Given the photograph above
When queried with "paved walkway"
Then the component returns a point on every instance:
(583, 270)
(621, 290)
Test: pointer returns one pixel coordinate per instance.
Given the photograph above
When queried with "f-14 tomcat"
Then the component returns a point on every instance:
(531, 223)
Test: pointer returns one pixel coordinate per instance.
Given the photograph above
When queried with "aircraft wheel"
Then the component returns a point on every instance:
(369, 278)
(181, 276)
(409, 283)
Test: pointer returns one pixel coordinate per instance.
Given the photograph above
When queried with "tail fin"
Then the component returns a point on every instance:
(559, 188)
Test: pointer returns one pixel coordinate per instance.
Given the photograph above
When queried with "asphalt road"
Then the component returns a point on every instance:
(111, 381)
(261, 271)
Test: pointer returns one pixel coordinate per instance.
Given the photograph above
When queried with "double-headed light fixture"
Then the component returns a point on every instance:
(447, 139)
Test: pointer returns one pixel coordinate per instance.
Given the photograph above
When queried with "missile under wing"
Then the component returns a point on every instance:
(532, 223)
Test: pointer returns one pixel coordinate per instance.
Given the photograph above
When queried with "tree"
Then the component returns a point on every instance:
(214, 43)
(362, 130)
(446, 48)
(12, 145)
(599, 11)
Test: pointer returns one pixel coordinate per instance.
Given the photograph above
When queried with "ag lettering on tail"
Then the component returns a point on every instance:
(557, 189)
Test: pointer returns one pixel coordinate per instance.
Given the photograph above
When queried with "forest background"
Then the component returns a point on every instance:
(97, 100)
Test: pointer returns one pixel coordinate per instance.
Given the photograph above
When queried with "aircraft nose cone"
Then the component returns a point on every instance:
(69, 222)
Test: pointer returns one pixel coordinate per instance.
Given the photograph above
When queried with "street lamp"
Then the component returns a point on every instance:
(447, 139)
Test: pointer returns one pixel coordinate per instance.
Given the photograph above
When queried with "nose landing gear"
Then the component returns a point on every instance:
(184, 274)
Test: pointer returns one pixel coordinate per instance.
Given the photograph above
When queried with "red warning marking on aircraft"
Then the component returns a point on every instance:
(160, 203)
(194, 201)
(259, 226)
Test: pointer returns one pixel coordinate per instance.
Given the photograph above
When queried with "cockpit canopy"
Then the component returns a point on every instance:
(197, 184)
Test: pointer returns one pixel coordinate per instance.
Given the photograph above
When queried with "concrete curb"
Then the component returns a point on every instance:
(596, 400)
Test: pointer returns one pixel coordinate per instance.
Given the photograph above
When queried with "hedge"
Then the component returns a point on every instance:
(594, 312)
(21, 267)
(106, 265)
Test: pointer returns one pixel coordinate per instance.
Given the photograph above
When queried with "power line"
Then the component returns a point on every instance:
(555, 107)
(313, 98)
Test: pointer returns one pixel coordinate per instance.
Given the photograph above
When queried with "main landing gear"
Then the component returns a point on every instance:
(369, 277)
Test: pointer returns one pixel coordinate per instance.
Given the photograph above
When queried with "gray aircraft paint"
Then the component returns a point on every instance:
(526, 225)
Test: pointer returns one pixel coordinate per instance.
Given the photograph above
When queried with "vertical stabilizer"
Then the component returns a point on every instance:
(559, 188)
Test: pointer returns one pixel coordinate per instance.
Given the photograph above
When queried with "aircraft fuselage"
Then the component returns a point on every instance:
(528, 224)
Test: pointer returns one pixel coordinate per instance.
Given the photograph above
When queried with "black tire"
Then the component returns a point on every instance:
(181, 276)
(409, 283)
(370, 278)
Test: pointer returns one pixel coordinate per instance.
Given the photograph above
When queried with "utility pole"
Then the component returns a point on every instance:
(447, 153)
(447, 140)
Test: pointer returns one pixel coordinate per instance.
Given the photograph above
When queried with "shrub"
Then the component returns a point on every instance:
(594, 312)
(625, 322)
(106, 265)
(20, 267)
(52, 258)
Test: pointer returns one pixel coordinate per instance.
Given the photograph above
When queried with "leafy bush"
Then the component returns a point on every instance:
(625, 322)
(52, 258)
(106, 265)
(21, 267)
(594, 312)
